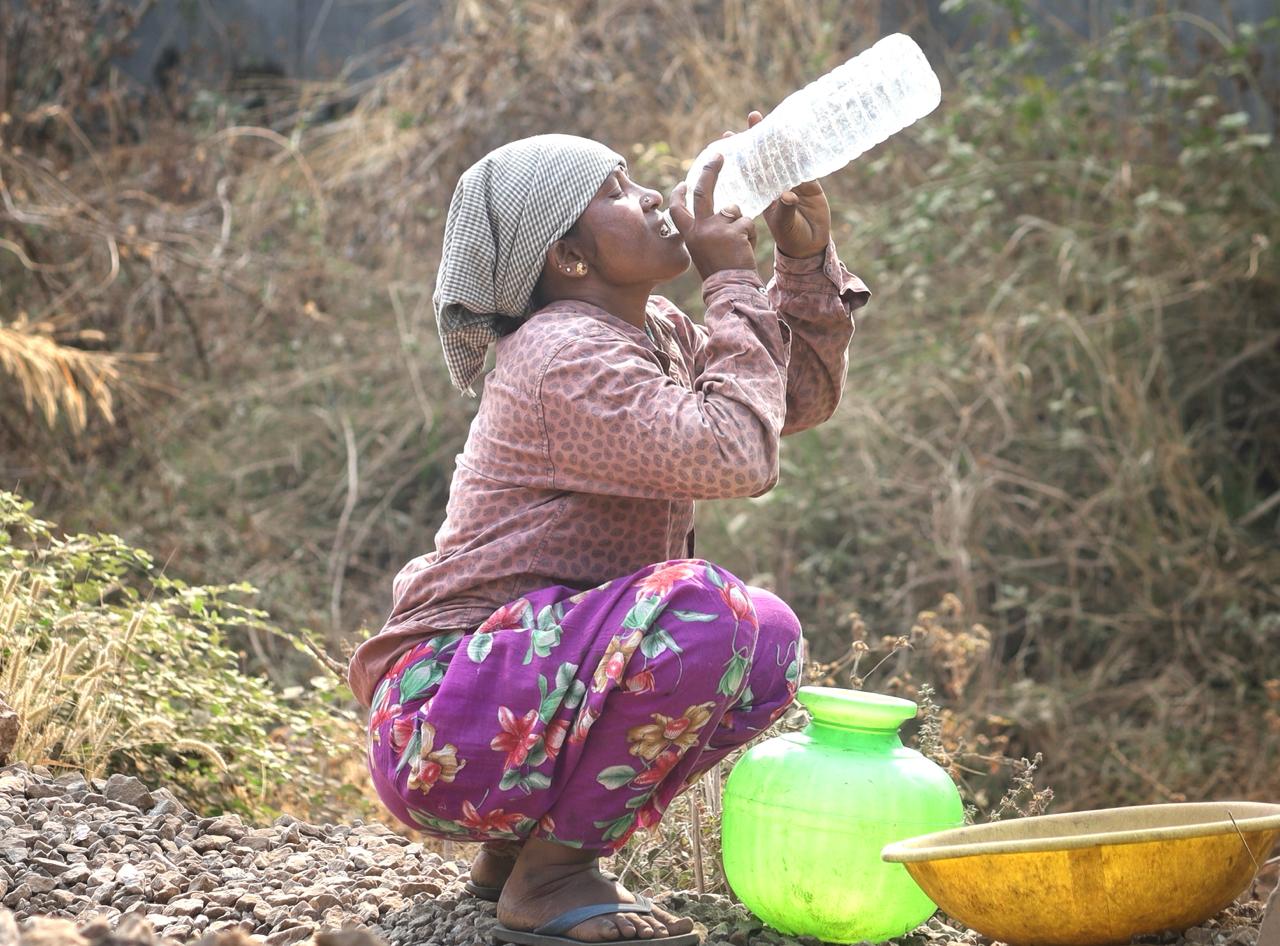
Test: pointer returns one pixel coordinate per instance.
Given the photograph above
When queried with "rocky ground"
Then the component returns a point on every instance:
(113, 863)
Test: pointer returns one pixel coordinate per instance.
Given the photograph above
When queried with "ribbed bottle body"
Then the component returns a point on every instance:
(820, 128)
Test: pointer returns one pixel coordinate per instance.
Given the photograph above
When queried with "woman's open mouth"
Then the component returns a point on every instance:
(666, 228)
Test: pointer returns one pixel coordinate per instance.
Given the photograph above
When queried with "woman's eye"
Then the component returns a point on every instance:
(617, 195)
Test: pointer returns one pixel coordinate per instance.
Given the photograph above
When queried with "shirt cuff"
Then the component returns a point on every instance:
(747, 279)
(820, 271)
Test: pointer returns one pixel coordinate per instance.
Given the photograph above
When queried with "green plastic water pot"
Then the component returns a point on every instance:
(806, 815)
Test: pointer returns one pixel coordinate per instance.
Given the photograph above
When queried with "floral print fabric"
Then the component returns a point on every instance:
(577, 716)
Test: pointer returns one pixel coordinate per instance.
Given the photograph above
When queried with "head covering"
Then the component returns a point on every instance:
(507, 210)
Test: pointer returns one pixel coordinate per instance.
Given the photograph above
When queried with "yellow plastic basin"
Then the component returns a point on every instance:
(1089, 878)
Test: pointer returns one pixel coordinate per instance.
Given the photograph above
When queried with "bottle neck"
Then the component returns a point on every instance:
(852, 736)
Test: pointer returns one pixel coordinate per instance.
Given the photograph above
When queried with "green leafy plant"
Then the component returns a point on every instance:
(112, 667)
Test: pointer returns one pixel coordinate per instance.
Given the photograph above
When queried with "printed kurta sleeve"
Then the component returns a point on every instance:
(816, 298)
(615, 424)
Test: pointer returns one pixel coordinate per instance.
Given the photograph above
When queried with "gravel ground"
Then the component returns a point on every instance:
(114, 863)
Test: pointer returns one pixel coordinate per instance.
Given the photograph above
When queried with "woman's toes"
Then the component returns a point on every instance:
(628, 924)
(655, 926)
(672, 925)
(608, 929)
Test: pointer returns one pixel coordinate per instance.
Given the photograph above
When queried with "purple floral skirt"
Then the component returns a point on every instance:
(577, 716)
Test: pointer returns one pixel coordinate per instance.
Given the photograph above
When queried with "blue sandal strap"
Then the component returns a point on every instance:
(571, 918)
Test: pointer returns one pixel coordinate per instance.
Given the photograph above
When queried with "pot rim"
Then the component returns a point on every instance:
(949, 844)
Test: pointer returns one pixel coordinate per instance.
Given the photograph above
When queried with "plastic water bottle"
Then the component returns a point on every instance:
(819, 129)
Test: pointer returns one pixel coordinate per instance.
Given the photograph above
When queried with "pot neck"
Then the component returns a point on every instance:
(853, 717)
(852, 736)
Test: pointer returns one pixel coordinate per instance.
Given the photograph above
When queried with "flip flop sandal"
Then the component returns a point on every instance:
(549, 934)
(484, 893)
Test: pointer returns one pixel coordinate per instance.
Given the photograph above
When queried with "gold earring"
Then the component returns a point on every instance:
(581, 268)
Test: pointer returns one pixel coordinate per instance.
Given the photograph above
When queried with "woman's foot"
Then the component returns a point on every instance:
(492, 866)
(551, 879)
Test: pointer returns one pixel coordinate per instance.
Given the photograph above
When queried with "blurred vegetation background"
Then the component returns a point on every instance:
(1048, 506)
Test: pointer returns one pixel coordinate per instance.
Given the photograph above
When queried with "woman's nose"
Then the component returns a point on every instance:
(651, 200)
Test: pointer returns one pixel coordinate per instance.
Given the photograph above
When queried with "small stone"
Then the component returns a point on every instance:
(288, 936)
(128, 790)
(324, 901)
(298, 863)
(17, 896)
(225, 827)
(61, 898)
(39, 883)
(187, 906)
(414, 887)
(210, 842)
(163, 890)
(257, 842)
(49, 866)
(203, 882)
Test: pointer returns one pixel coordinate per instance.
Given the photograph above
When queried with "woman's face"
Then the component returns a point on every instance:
(621, 235)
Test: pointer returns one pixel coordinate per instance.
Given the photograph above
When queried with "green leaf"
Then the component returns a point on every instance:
(793, 671)
(550, 703)
(538, 754)
(564, 676)
(546, 618)
(447, 641)
(544, 640)
(714, 577)
(411, 748)
(618, 828)
(615, 776)
(666, 638)
(538, 781)
(638, 800)
(643, 612)
(419, 678)
(735, 670)
(692, 616)
(652, 645)
(510, 779)
(479, 647)
(577, 690)
(439, 824)
(542, 687)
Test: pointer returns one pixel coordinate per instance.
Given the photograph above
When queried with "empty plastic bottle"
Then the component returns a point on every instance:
(819, 129)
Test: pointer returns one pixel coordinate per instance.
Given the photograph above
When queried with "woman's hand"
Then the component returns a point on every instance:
(800, 219)
(715, 241)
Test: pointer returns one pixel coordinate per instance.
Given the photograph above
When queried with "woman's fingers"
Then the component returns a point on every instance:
(705, 187)
(678, 209)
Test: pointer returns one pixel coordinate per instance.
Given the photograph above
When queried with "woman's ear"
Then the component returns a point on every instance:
(565, 259)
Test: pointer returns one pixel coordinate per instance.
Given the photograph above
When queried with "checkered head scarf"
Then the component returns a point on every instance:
(507, 210)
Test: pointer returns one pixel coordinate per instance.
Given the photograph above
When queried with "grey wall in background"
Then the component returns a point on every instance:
(312, 39)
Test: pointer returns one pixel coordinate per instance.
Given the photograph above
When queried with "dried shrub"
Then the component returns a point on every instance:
(111, 667)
